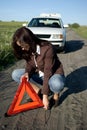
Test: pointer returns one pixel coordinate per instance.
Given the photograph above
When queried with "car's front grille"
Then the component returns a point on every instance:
(43, 35)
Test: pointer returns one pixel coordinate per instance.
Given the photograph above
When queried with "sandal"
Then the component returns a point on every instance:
(53, 103)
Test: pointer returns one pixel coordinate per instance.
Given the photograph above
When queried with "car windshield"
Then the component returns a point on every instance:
(45, 22)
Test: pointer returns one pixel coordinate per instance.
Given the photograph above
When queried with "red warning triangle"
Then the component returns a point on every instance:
(16, 107)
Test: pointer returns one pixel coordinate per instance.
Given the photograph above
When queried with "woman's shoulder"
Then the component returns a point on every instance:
(47, 49)
(46, 44)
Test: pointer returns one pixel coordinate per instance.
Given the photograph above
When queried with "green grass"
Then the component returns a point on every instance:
(82, 31)
(7, 30)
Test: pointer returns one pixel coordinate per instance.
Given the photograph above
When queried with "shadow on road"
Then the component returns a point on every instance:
(73, 45)
(76, 82)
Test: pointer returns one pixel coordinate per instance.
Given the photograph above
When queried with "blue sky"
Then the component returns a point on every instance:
(23, 10)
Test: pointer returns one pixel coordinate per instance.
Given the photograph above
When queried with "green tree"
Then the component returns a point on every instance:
(75, 25)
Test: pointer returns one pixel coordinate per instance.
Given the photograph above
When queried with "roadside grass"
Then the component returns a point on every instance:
(82, 31)
(7, 30)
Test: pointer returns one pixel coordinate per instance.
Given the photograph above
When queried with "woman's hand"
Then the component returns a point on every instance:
(45, 102)
(24, 75)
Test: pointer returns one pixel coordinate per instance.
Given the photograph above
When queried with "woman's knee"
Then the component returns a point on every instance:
(56, 83)
(16, 74)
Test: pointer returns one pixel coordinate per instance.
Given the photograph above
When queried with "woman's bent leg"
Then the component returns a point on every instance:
(16, 74)
(56, 83)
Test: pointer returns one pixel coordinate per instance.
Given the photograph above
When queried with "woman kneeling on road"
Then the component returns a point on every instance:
(42, 64)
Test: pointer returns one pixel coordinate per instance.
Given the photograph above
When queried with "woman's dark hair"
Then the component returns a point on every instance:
(24, 35)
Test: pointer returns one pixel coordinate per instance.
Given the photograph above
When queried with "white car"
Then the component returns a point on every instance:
(49, 27)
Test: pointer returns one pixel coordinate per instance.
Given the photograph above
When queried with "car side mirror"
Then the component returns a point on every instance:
(66, 25)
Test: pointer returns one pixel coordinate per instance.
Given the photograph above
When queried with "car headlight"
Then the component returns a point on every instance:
(57, 36)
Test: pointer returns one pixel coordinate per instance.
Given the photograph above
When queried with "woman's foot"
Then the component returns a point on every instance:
(56, 96)
(56, 99)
